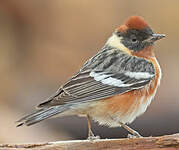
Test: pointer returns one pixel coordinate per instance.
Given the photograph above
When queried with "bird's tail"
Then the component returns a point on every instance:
(40, 115)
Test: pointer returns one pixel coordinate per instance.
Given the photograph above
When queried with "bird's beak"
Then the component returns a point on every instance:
(156, 37)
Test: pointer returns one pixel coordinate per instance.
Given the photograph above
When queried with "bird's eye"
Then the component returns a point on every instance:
(118, 33)
(134, 40)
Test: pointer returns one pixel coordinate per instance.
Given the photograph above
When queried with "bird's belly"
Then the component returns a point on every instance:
(126, 107)
(123, 108)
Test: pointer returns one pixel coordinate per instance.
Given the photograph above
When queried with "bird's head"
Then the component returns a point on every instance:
(135, 35)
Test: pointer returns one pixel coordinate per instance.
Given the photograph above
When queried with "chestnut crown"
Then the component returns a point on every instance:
(136, 34)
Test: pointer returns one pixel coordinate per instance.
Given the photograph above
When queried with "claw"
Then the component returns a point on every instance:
(135, 135)
(92, 138)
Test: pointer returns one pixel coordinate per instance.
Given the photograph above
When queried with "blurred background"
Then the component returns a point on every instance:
(43, 43)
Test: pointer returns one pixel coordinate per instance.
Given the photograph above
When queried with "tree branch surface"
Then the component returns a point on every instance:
(167, 142)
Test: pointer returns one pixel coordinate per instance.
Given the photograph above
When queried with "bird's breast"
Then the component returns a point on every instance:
(126, 107)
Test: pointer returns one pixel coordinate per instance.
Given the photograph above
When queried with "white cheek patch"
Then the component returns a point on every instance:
(115, 41)
(139, 75)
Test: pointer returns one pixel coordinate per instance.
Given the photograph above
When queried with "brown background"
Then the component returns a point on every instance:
(43, 43)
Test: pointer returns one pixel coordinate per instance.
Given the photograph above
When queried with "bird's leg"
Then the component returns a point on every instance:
(91, 136)
(130, 130)
(90, 133)
(133, 132)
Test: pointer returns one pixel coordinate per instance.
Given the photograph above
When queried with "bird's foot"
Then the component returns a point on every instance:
(92, 137)
(134, 135)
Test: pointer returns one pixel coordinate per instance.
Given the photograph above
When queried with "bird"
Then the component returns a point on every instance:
(114, 86)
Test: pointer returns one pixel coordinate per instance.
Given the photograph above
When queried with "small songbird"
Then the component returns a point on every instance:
(113, 87)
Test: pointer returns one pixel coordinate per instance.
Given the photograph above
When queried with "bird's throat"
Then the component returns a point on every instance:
(147, 52)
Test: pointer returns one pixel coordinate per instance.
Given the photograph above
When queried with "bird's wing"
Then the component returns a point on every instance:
(107, 74)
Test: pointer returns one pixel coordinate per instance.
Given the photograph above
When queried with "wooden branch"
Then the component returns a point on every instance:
(167, 142)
